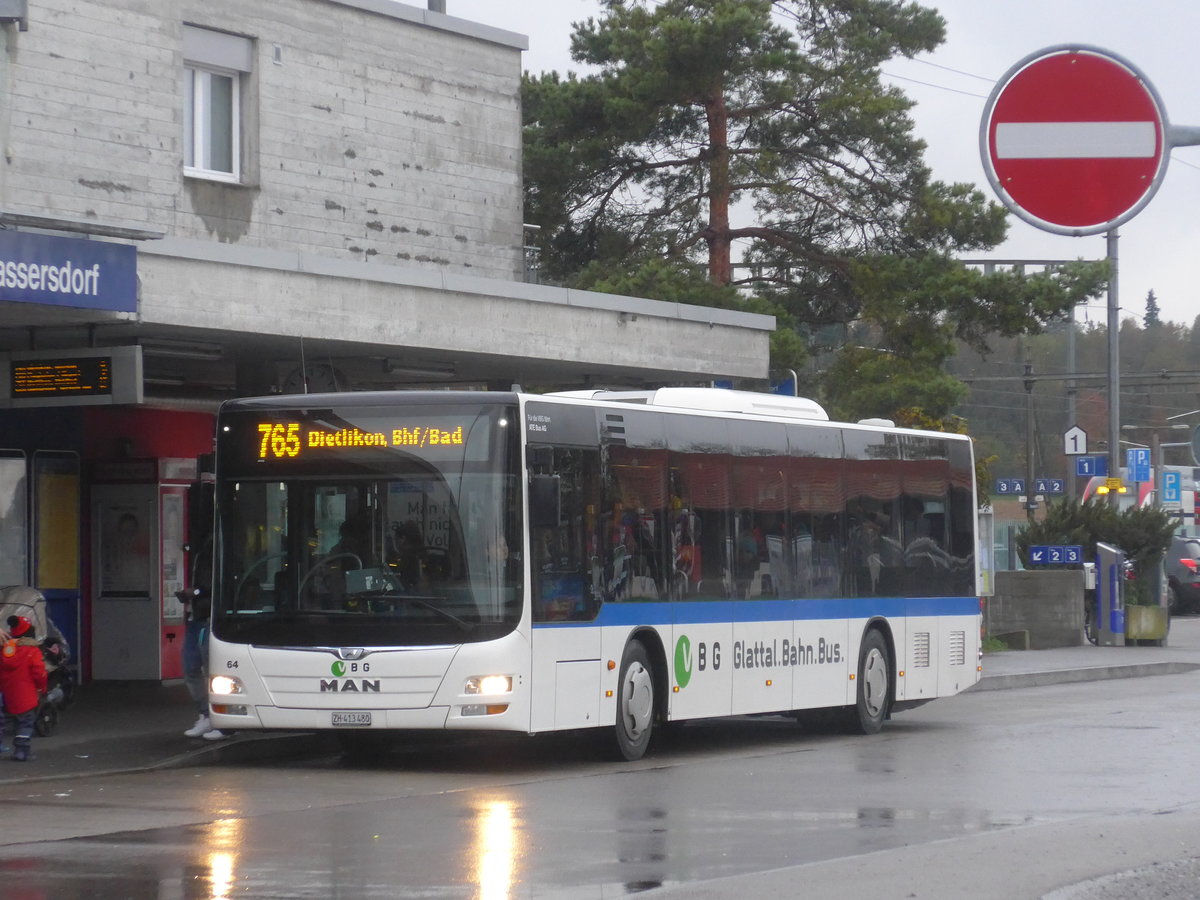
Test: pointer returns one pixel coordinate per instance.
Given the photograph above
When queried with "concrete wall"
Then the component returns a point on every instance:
(285, 294)
(380, 207)
(375, 131)
(1047, 605)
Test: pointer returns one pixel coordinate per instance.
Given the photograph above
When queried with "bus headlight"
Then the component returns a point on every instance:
(224, 685)
(489, 684)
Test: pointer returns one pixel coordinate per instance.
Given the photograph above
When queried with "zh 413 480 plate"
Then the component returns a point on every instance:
(352, 719)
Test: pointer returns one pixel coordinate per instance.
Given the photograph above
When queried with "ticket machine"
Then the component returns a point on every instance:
(1110, 596)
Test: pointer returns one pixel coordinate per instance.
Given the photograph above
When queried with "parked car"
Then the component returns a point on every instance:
(1182, 564)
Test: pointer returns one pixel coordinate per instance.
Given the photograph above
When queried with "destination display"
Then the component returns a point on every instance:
(294, 440)
(274, 442)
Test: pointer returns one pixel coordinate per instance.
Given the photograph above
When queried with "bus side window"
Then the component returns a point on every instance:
(565, 553)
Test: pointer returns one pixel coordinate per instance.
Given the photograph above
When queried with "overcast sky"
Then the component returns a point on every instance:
(1159, 249)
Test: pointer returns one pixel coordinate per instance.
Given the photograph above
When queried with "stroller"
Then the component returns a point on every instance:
(21, 600)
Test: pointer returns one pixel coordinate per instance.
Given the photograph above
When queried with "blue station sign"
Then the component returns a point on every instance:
(59, 271)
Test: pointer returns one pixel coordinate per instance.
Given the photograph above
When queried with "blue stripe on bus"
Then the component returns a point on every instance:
(652, 612)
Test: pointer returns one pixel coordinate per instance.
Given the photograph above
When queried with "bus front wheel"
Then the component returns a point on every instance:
(635, 702)
(874, 685)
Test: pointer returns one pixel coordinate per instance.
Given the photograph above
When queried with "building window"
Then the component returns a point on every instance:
(216, 70)
(211, 132)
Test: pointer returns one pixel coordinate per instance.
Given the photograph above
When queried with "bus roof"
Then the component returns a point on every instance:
(712, 399)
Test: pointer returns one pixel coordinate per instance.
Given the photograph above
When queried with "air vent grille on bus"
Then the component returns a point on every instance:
(920, 650)
(958, 648)
(614, 428)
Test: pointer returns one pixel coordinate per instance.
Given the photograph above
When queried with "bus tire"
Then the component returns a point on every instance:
(874, 685)
(635, 702)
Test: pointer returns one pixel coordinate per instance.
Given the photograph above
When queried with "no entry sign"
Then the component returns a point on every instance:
(1074, 140)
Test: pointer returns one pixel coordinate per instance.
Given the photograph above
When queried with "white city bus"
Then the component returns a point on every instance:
(512, 562)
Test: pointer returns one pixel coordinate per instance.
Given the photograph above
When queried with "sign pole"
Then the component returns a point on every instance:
(1030, 484)
(1114, 371)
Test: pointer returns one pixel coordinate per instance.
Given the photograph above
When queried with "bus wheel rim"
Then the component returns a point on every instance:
(638, 700)
(874, 682)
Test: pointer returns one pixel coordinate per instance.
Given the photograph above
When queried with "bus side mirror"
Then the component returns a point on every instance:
(544, 511)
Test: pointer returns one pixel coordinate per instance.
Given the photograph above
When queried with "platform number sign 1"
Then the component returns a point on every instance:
(1075, 442)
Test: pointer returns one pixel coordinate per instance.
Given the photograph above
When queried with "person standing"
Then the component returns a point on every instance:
(22, 684)
(198, 604)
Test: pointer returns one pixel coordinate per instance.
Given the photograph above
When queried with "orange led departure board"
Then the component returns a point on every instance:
(84, 376)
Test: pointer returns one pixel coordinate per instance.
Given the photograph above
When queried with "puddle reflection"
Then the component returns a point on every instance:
(496, 851)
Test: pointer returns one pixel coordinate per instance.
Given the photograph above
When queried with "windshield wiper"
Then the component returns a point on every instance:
(424, 602)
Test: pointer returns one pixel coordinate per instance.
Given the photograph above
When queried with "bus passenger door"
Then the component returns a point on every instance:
(564, 584)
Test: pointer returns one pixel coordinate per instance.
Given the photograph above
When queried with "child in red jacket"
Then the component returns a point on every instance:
(22, 683)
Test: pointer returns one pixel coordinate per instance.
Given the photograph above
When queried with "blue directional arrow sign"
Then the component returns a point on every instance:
(1055, 554)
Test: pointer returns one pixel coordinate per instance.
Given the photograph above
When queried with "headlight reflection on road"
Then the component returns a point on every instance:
(223, 840)
(497, 849)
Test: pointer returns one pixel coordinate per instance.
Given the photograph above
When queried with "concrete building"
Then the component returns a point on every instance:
(200, 200)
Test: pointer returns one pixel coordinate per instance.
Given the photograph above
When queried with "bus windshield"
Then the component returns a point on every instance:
(358, 526)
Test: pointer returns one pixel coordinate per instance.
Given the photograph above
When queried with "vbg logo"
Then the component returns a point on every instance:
(683, 660)
(705, 657)
(350, 685)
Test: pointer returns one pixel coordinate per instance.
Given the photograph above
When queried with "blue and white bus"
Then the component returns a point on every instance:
(525, 563)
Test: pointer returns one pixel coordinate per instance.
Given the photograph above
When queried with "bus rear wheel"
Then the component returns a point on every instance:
(874, 685)
(635, 702)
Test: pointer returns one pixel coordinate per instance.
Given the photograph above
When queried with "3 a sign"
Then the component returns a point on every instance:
(1010, 487)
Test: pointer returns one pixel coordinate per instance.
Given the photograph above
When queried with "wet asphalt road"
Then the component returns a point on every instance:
(737, 800)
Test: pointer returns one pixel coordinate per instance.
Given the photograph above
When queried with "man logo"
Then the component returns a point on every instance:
(683, 660)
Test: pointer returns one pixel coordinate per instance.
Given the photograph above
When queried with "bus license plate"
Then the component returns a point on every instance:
(352, 719)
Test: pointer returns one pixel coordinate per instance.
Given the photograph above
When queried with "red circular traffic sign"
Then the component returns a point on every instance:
(1073, 140)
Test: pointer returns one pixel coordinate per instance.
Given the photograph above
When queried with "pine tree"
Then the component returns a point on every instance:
(1151, 318)
(765, 125)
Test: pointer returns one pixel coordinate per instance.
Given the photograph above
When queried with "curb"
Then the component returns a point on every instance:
(1072, 676)
(248, 748)
(244, 749)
